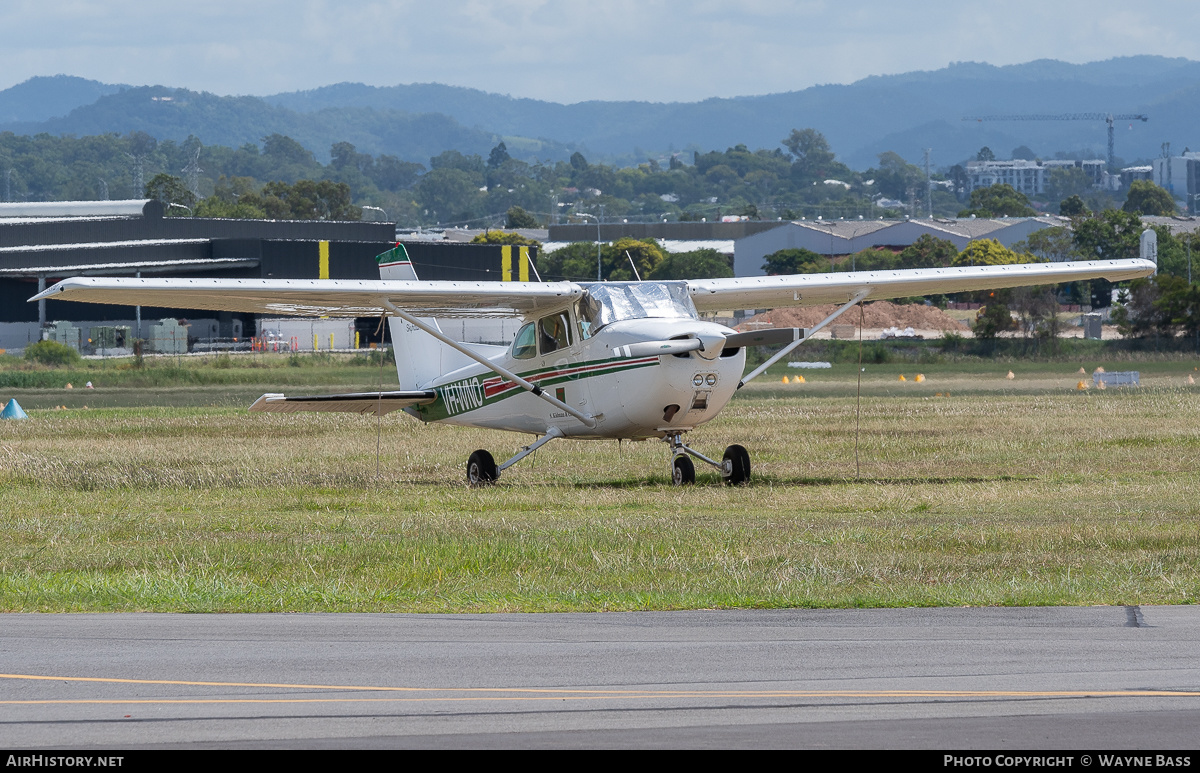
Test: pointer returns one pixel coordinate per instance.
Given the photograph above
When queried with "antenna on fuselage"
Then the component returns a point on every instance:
(633, 266)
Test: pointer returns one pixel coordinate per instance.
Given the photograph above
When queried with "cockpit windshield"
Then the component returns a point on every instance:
(616, 301)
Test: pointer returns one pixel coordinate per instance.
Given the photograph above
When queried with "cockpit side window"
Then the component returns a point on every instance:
(525, 344)
(553, 333)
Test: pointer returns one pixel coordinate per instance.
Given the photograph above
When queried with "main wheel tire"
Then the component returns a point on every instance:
(683, 472)
(738, 462)
(481, 469)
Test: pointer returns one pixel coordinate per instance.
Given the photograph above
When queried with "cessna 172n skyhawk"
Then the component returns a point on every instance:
(629, 360)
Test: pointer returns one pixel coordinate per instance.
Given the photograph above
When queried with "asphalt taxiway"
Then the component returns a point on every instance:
(1075, 678)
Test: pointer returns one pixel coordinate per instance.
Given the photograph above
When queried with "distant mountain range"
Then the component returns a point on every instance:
(902, 113)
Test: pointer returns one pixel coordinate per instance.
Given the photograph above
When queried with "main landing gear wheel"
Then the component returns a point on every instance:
(481, 469)
(683, 472)
(736, 467)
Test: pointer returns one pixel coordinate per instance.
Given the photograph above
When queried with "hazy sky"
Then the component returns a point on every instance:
(566, 51)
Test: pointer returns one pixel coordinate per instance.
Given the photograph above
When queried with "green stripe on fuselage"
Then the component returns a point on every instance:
(465, 395)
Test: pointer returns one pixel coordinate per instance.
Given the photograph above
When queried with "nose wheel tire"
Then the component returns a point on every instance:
(481, 469)
(736, 466)
(683, 472)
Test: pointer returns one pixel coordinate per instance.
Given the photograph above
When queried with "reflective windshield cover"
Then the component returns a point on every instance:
(615, 301)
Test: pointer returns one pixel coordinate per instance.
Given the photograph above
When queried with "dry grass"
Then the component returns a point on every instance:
(986, 497)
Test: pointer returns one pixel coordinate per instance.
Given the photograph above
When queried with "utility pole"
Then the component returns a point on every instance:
(928, 183)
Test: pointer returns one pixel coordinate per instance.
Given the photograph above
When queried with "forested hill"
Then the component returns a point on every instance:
(903, 113)
(39, 99)
(175, 114)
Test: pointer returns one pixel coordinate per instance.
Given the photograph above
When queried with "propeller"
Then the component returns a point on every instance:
(710, 345)
(648, 348)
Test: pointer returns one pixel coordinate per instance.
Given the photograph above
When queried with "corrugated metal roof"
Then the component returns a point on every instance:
(80, 269)
(100, 245)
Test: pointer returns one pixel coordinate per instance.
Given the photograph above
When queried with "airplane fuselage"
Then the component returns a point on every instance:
(628, 396)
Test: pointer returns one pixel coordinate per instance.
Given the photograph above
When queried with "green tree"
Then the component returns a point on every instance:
(871, 259)
(812, 155)
(987, 252)
(1024, 153)
(285, 150)
(517, 217)
(449, 194)
(313, 200)
(505, 237)
(928, 252)
(646, 255)
(698, 264)
(576, 262)
(52, 353)
(498, 156)
(998, 201)
(392, 174)
(170, 190)
(1073, 206)
(1037, 312)
(796, 261)
(993, 319)
(1146, 198)
(894, 176)
(1110, 234)
(1053, 244)
(985, 154)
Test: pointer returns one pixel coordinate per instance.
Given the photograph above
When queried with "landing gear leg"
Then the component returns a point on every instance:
(734, 469)
(482, 469)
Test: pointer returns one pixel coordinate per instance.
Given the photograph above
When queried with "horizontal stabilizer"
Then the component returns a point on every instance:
(377, 403)
(773, 336)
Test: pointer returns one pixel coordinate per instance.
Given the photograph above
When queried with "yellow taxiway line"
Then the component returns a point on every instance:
(549, 693)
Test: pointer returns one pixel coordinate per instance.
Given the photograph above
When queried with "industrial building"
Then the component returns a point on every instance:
(834, 238)
(41, 243)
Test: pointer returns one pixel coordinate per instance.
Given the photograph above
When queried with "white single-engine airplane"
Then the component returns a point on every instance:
(616, 360)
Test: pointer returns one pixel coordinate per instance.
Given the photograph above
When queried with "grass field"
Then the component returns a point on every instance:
(1006, 492)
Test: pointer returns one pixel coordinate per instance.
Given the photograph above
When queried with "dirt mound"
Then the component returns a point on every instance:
(880, 314)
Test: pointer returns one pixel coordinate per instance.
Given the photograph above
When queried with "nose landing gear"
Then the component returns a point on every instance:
(734, 466)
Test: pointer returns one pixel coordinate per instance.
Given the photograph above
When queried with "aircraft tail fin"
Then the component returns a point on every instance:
(420, 357)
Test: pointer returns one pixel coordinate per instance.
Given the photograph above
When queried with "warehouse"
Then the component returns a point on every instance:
(42, 243)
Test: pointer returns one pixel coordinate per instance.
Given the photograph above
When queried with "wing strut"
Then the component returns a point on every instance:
(858, 296)
(588, 421)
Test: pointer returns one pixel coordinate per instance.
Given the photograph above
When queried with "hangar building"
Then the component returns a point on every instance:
(41, 243)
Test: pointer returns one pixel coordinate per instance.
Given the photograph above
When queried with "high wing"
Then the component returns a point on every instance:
(377, 403)
(771, 292)
(323, 297)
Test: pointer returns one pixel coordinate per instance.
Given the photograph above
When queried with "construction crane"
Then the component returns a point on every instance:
(1108, 118)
